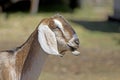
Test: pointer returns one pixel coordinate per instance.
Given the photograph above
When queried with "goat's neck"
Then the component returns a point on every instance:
(34, 63)
(30, 59)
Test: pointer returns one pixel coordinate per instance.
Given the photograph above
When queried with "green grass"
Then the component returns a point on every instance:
(83, 76)
(100, 44)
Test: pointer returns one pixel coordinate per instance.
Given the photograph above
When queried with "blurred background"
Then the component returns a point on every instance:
(97, 23)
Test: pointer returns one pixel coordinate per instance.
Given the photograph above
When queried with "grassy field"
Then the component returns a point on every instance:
(100, 44)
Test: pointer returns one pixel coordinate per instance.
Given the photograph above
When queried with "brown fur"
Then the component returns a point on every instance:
(23, 55)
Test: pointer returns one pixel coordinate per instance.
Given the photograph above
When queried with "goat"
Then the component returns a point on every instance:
(53, 36)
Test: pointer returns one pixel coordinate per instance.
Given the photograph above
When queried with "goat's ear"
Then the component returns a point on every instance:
(47, 40)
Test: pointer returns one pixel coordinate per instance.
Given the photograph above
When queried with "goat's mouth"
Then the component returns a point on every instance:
(73, 50)
(70, 48)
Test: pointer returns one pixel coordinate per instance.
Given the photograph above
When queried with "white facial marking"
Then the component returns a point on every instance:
(59, 24)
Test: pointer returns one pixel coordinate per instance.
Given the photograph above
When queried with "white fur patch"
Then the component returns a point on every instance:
(59, 24)
(7, 63)
(47, 40)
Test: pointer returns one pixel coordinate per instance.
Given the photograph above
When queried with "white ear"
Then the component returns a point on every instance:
(47, 40)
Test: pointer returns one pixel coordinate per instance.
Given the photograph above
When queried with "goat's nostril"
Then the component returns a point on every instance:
(76, 41)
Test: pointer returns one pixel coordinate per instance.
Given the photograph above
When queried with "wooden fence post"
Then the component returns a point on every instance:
(34, 6)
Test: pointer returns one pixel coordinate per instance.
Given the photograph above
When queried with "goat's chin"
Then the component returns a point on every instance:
(76, 53)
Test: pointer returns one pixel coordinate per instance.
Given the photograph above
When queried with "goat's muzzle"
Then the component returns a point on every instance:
(73, 45)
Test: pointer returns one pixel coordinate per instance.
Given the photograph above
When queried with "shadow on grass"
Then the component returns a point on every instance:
(102, 26)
